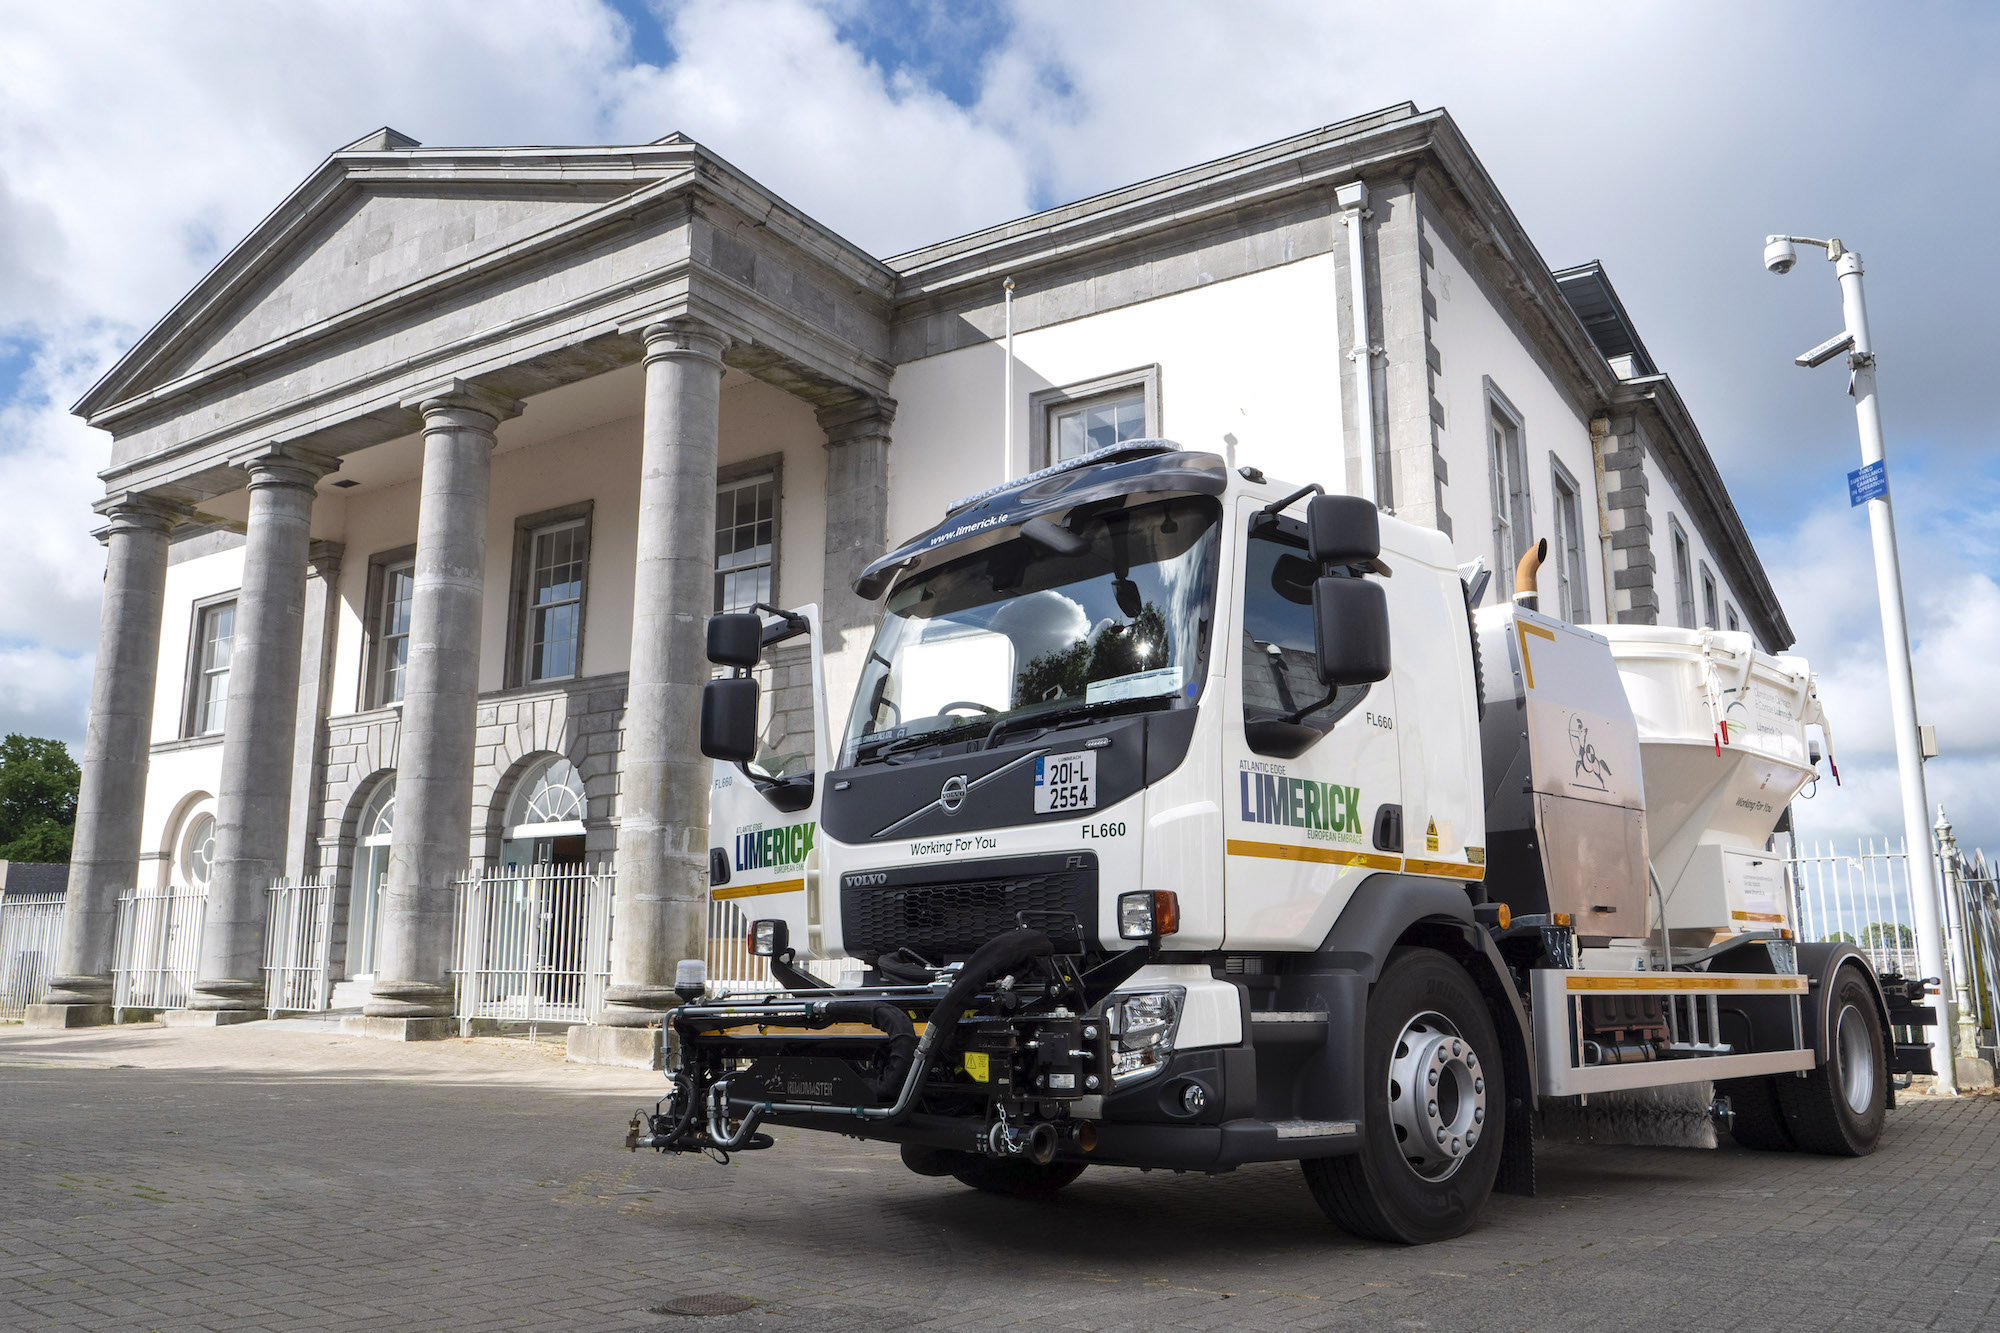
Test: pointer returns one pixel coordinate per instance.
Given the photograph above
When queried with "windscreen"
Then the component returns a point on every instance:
(1019, 632)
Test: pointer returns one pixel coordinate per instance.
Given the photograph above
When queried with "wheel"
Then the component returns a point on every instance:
(1435, 1113)
(1838, 1108)
(1756, 1121)
(1022, 1179)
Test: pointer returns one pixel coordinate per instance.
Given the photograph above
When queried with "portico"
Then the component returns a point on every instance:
(401, 313)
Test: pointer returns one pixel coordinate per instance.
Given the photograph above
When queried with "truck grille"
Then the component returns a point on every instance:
(945, 912)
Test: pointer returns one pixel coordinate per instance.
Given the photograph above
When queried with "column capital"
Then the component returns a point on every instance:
(137, 511)
(454, 403)
(323, 558)
(683, 337)
(861, 417)
(282, 463)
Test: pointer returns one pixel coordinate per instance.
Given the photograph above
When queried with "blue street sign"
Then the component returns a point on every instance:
(1867, 483)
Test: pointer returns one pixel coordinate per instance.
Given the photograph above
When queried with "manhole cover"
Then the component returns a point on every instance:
(703, 1305)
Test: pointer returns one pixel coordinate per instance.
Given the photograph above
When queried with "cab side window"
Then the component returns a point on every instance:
(1285, 708)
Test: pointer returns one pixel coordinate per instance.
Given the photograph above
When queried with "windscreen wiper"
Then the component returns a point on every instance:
(941, 736)
(1076, 714)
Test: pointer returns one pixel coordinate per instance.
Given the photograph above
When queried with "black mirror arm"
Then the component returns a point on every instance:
(1277, 507)
(1311, 708)
(792, 623)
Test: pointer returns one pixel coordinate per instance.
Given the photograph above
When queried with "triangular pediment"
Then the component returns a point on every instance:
(378, 242)
(373, 223)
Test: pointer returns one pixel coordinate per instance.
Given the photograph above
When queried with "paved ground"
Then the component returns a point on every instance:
(269, 1177)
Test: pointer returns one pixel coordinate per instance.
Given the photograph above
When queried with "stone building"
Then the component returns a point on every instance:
(417, 502)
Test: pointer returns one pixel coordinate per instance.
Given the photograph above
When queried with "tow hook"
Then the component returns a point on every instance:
(632, 1131)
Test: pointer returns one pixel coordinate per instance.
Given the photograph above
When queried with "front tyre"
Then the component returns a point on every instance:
(1434, 1116)
(1838, 1109)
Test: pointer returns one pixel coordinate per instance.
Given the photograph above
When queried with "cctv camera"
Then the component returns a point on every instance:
(1779, 255)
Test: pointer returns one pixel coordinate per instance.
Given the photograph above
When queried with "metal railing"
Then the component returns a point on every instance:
(533, 945)
(1863, 900)
(298, 940)
(31, 934)
(731, 965)
(159, 948)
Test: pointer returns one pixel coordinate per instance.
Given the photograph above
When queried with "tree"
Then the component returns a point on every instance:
(1888, 935)
(38, 782)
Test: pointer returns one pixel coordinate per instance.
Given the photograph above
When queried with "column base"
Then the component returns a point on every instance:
(630, 1006)
(211, 1018)
(626, 1048)
(1974, 1073)
(399, 1029)
(62, 1016)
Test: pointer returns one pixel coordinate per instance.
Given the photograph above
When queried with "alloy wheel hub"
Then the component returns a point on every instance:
(1437, 1096)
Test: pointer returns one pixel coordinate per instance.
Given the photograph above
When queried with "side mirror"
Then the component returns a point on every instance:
(1343, 530)
(1350, 630)
(736, 639)
(729, 716)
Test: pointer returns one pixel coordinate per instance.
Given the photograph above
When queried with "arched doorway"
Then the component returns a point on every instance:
(544, 825)
(371, 872)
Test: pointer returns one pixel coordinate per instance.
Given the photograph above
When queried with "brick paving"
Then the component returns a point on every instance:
(266, 1177)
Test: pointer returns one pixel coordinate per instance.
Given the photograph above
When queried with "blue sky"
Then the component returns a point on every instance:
(138, 142)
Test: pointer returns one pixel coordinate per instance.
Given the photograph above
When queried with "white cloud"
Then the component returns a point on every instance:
(767, 85)
(1824, 571)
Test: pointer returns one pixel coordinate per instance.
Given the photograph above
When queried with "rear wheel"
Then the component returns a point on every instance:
(1838, 1109)
(1434, 1113)
(1756, 1120)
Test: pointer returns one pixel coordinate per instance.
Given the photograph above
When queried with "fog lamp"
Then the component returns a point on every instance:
(1148, 914)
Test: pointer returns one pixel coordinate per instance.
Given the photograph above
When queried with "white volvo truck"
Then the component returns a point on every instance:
(1184, 819)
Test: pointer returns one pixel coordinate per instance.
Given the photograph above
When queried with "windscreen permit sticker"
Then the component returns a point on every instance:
(1138, 685)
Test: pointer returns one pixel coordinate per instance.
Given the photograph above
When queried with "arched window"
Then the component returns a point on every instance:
(545, 818)
(371, 872)
(198, 852)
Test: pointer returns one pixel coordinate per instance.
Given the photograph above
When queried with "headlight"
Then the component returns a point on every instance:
(1142, 1026)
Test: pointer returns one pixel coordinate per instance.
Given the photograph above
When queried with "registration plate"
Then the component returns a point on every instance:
(1066, 782)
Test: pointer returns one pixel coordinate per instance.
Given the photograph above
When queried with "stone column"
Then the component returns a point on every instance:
(104, 861)
(316, 660)
(661, 912)
(253, 797)
(857, 534)
(412, 995)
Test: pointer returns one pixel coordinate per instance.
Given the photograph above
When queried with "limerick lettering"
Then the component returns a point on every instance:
(774, 848)
(1317, 807)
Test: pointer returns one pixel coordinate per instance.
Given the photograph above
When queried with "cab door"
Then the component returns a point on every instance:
(763, 818)
(1311, 775)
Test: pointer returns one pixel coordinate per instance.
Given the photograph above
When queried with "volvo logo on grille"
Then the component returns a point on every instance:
(868, 880)
(952, 794)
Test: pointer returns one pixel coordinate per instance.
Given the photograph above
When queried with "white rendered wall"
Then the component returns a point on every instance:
(1662, 502)
(1249, 368)
(177, 779)
(1476, 341)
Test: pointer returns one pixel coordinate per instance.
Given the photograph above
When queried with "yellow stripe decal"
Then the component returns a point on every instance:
(1449, 868)
(1684, 981)
(1333, 856)
(1522, 629)
(758, 890)
(1777, 918)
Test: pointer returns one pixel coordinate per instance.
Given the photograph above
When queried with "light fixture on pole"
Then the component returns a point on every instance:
(1870, 486)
